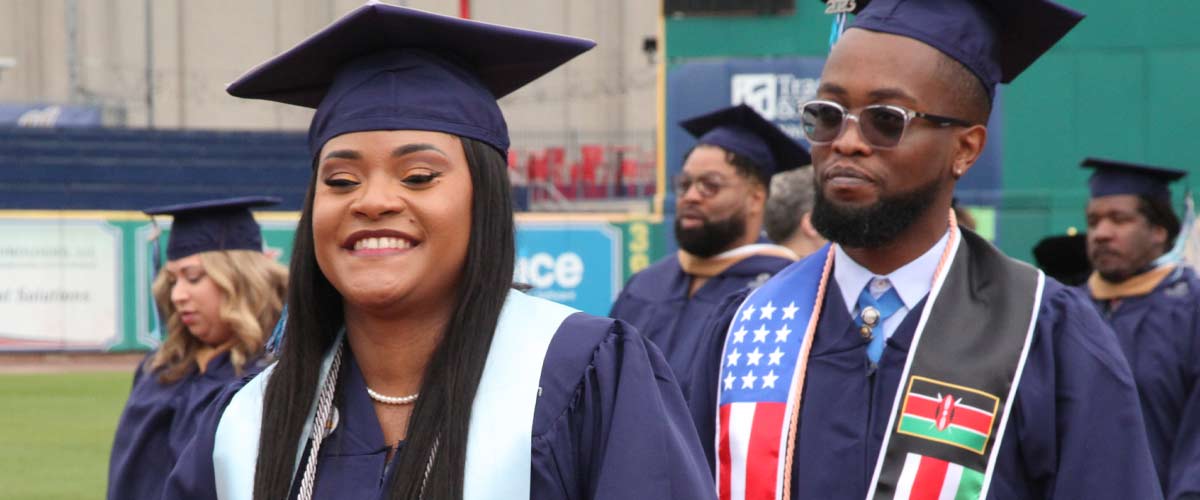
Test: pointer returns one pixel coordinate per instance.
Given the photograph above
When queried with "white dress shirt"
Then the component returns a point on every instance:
(912, 281)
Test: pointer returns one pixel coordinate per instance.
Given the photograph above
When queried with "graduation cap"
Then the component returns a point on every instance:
(385, 67)
(995, 39)
(1064, 258)
(742, 130)
(204, 226)
(1118, 177)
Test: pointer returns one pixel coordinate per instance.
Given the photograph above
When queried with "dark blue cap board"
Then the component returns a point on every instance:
(385, 67)
(1117, 177)
(209, 225)
(995, 39)
(740, 129)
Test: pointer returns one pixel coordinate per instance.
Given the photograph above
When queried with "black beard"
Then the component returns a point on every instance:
(712, 237)
(873, 226)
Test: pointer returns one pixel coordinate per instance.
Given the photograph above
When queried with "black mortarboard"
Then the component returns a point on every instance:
(995, 39)
(1064, 258)
(204, 226)
(1118, 177)
(742, 130)
(385, 67)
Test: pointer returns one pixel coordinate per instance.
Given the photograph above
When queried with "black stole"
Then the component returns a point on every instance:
(961, 377)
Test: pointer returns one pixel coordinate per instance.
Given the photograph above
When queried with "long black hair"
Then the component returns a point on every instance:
(443, 413)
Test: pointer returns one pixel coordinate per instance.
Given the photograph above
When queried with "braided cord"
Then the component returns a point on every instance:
(320, 423)
(429, 466)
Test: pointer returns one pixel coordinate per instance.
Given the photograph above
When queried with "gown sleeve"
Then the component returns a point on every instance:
(140, 453)
(1184, 475)
(193, 477)
(1079, 423)
(702, 390)
(199, 394)
(610, 421)
(619, 307)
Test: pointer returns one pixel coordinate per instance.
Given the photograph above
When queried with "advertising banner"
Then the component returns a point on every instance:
(60, 285)
(577, 264)
(82, 280)
(49, 115)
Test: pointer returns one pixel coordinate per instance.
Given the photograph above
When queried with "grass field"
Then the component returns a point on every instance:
(55, 433)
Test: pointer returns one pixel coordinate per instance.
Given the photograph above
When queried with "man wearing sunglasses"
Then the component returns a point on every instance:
(1153, 306)
(719, 198)
(912, 359)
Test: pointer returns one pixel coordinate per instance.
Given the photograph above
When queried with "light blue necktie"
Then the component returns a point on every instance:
(887, 305)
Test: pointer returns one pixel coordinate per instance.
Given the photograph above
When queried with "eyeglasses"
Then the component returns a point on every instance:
(880, 125)
(707, 185)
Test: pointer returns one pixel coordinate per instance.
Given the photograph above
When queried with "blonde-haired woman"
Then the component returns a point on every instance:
(219, 297)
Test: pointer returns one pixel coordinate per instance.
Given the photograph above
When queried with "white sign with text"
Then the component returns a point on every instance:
(59, 284)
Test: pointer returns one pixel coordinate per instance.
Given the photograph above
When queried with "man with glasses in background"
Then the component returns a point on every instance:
(719, 198)
(911, 359)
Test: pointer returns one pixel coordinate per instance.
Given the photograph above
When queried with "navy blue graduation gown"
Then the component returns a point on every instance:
(1075, 429)
(157, 423)
(655, 301)
(610, 423)
(1160, 336)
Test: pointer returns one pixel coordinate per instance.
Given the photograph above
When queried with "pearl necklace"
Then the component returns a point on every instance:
(393, 400)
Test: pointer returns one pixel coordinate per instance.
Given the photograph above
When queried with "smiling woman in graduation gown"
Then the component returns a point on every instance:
(409, 368)
(218, 295)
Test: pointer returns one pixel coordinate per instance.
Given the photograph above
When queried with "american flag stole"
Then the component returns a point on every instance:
(762, 372)
(955, 393)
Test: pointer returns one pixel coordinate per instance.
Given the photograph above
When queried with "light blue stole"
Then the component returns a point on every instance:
(501, 428)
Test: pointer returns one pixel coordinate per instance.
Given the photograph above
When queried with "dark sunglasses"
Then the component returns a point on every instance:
(880, 125)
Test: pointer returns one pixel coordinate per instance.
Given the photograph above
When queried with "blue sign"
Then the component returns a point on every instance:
(49, 115)
(576, 264)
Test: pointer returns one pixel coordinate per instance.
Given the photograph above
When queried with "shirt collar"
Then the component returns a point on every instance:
(912, 281)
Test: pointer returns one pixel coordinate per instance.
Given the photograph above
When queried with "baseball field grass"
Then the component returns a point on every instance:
(55, 433)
